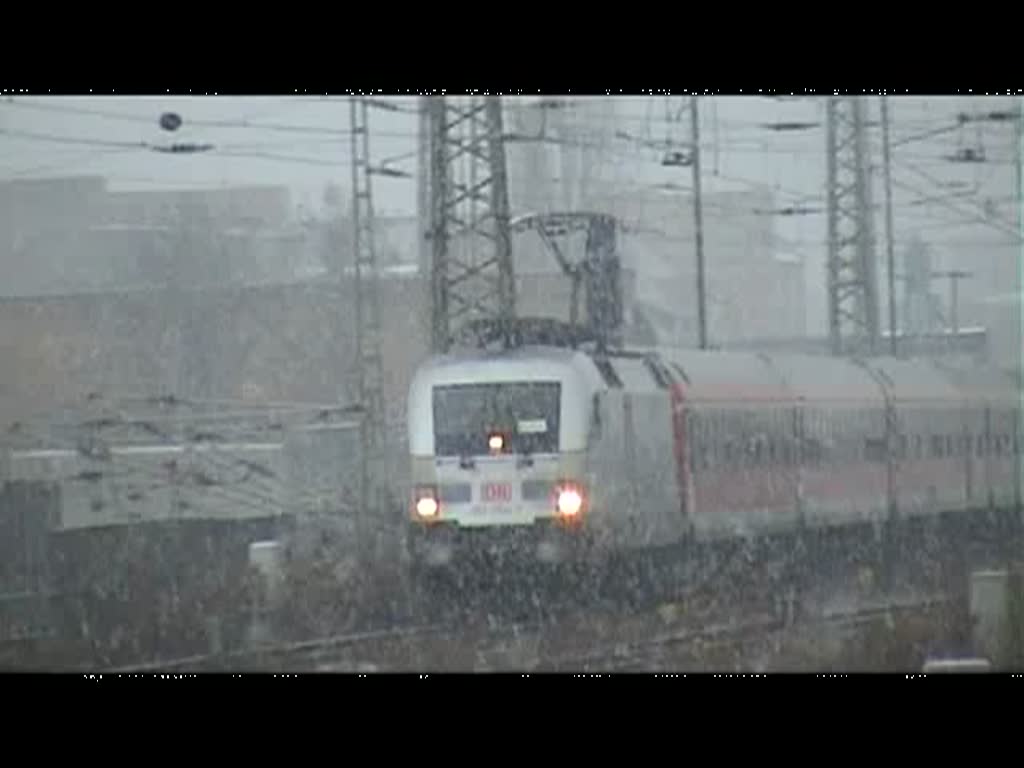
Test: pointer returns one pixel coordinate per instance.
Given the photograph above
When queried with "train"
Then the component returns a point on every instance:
(559, 454)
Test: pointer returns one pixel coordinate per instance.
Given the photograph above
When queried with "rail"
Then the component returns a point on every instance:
(259, 656)
(646, 655)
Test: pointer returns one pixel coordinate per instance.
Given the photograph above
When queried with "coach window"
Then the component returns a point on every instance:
(874, 450)
(937, 446)
(717, 440)
(714, 443)
(595, 418)
(901, 447)
(757, 452)
(814, 452)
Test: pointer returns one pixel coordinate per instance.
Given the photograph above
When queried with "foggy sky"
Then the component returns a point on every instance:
(737, 153)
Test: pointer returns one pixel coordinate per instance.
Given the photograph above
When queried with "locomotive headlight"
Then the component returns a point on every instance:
(570, 502)
(426, 503)
(496, 442)
(427, 507)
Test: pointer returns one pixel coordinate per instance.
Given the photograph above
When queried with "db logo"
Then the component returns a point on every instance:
(497, 492)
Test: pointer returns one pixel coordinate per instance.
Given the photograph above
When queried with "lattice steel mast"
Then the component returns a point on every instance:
(472, 279)
(852, 271)
(369, 356)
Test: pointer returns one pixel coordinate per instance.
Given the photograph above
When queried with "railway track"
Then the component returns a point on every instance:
(473, 646)
(693, 647)
(304, 656)
(666, 632)
(648, 642)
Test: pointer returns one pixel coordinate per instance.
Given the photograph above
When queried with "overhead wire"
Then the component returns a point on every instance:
(154, 475)
(968, 216)
(206, 123)
(247, 151)
(66, 165)
(986, 217)
(251, 492)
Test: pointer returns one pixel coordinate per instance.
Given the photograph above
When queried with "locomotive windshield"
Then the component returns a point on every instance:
(466, 414)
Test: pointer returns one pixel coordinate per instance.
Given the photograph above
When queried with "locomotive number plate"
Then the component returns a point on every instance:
(497, 493)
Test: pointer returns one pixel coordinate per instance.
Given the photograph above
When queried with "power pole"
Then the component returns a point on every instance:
(423, 186)
(472, 279)
(1018, 196)
(889, 245)
(852, 282)
(691, 157)
(1018, 136)
(698, 221)
(369, 357)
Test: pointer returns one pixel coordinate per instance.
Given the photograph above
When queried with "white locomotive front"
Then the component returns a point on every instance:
(499, 447)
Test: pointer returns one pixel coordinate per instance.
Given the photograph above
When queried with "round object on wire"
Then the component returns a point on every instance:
(170, 121)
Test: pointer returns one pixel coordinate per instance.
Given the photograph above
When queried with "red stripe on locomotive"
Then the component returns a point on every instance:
(684, 480)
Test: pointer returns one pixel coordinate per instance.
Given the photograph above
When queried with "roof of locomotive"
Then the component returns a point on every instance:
(504, 365)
